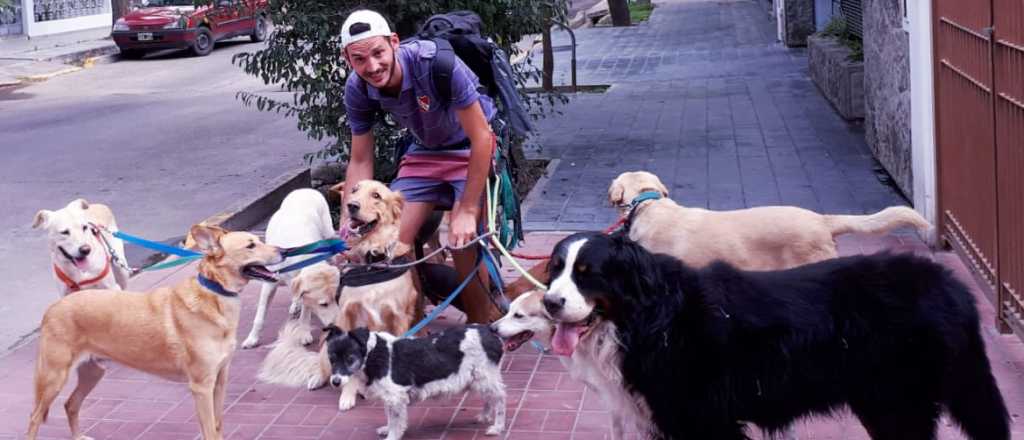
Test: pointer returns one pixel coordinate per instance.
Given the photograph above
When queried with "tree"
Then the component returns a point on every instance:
(303, 56)
(619, 10)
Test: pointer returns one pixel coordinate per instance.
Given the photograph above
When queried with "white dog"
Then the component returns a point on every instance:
(303, 218)
(79, 250)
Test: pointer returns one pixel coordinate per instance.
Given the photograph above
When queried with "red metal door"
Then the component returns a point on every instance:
(966, 141)
(979, 69)
(1008, 62)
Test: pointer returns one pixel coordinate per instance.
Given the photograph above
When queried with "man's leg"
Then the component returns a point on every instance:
(414, 214)
(476, 297)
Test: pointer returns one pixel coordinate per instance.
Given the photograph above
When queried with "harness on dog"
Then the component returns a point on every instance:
(365, 275)
(642, 197)
(79, 285)
(215, 287)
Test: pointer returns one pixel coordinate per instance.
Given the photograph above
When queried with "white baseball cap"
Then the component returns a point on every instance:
(375, 26)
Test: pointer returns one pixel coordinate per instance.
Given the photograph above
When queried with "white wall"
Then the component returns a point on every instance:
(33, 29)
(922, 107)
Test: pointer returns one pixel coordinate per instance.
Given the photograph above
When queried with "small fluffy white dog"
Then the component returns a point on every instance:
(81, 259)
(303, 218)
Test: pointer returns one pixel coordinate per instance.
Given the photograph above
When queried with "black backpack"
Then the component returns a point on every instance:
(459, 34)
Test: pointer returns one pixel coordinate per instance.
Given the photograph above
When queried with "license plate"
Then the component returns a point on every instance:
(145, 36)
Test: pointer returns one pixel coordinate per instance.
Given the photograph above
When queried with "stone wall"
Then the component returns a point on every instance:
(799, 21)
(838, 78)
(887, 89)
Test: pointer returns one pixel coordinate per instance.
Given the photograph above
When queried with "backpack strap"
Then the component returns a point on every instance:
(441, 70)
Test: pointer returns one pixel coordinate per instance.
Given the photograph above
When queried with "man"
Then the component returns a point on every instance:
(447, 164)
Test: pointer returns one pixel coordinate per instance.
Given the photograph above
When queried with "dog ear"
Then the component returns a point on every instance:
(396, 204)
(295, 285)
(207, 238)
(332, 330)
(615, 192)
(79, 204)
(361, 334)
(42, 219)
(337, 190)
(662, 188)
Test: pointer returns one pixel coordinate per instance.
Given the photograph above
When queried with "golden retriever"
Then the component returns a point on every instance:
(761, 238)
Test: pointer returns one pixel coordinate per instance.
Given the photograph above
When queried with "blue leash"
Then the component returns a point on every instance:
(444, 304)
(167, 249)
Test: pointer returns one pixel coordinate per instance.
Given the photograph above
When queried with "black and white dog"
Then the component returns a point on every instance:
(398, 371)
(693, 354)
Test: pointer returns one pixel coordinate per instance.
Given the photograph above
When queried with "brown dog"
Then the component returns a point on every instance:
(184, 332)
(761, 238)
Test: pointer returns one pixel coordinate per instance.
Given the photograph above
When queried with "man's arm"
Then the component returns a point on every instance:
(360, 164)
(464, 220)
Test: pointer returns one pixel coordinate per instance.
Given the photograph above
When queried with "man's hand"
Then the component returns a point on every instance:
(462, 229)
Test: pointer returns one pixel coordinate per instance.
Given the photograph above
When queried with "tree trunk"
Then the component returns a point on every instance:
(619, 10)
(119, 8)
(549, 56)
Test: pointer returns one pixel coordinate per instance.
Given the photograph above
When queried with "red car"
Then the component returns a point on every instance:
(179, 24)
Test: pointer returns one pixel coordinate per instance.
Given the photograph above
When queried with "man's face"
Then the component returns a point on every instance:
(372, 59)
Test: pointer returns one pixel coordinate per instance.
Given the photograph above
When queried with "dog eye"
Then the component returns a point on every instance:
(517, 315)
(251, 245)
(582, 268)
(85, 227)
(65, 232)
(323, 304)
(376, 195)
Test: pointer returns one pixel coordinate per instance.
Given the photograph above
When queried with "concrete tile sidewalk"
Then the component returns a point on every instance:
(544, 402)
(703, 96)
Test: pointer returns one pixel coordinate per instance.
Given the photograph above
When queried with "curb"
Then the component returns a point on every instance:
(45, 76)
(538, 188)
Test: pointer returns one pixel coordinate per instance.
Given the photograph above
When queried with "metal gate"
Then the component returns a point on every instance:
(979, 56)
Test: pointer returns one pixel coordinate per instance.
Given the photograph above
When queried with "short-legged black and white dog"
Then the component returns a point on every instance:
(398, 371)
(895, 338)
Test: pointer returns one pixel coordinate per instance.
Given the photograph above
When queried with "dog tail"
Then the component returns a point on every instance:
(881, 222)
(974, 399)
(289, 363)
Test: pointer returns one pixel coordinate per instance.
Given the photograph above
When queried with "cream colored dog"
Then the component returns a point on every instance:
(762, 238)
(390, 304)
(81, 259)
(185, 332)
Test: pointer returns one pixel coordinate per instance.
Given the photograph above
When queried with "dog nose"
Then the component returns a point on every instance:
(493, 327)
(84, 250)
(553, 305)
(335, 381)
(353, 208)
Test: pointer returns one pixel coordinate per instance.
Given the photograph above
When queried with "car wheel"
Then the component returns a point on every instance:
(132, 54)
(204, 42)
(259, 33)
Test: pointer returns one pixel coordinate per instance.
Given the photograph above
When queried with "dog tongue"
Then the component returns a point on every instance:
(565, 339)
(82, 263)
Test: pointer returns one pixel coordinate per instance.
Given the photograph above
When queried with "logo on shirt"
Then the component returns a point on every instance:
(424, 102)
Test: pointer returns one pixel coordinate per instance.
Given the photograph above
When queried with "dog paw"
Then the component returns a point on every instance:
(382, 431)
(346, 403)
(307, 339)
(295, 310)
(484, 418)
(250, 342)
(492, 431)
(315, 383)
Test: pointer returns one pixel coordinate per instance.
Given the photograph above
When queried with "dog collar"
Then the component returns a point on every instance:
(75, 286)
(640, 198)
(215, 287)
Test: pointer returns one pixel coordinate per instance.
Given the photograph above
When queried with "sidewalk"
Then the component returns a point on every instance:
(39, 58)
(544, 403)
(703, 96)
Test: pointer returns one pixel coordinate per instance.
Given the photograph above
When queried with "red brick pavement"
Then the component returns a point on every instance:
(544, 403)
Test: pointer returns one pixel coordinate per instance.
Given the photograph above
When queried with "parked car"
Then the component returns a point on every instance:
(179, 24)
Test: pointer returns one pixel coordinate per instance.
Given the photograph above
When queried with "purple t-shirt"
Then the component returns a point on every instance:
(417, 106)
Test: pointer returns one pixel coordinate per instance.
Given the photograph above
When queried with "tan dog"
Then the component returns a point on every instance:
(187, 331)
(370, 228)
(78, 250)
(761, 238)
